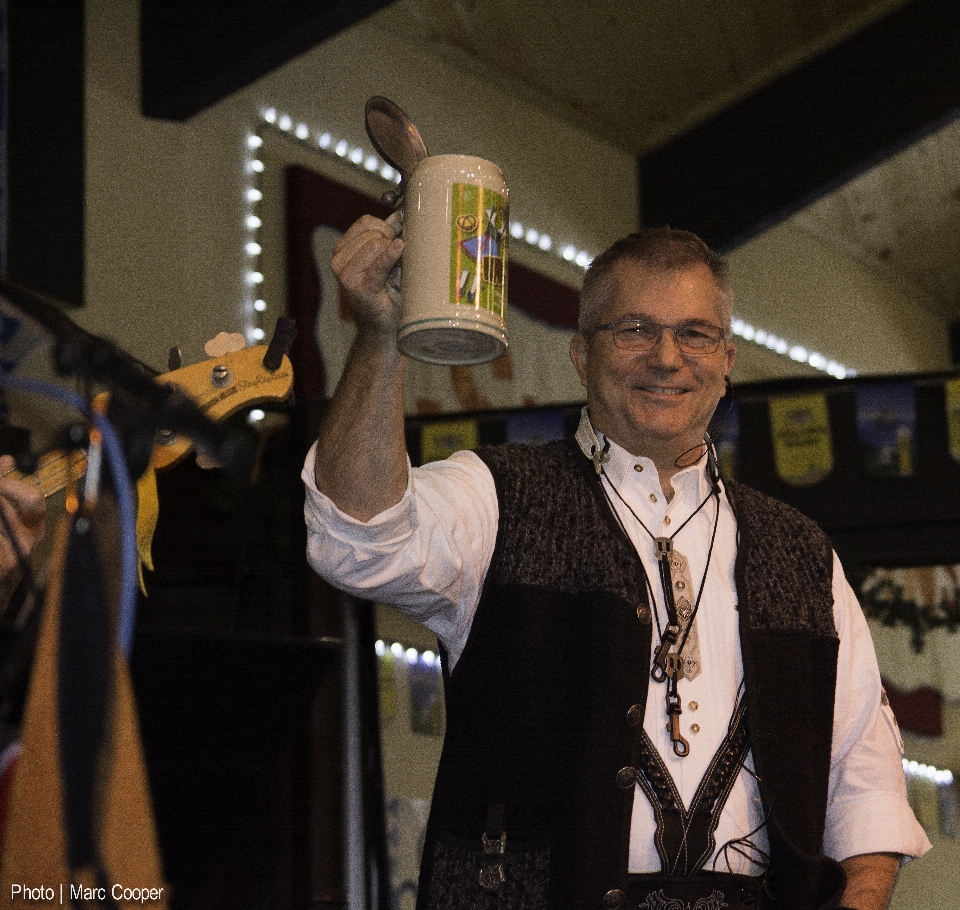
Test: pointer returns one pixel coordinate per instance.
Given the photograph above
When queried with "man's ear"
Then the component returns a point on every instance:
(731, 357)
(578, 354)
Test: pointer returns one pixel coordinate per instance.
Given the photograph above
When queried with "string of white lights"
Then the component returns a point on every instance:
(918, 769)
(253, 249)
(412, 656)
(324, 141)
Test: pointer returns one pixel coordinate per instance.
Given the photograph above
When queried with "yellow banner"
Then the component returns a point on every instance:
(440, 440)
(802, 447)
(952, 389)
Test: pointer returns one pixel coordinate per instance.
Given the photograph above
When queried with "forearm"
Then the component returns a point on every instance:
(361, 459)
(870, 880)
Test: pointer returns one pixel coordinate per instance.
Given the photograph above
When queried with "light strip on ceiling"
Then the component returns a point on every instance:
(359, 157)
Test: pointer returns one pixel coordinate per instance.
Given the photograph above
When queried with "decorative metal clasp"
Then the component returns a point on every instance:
(663, 546)
(680, 746)
(491, 875)
(660, 670)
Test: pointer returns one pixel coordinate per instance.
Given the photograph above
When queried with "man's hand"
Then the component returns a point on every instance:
(362, 261)
(24, 508)
(870, 879)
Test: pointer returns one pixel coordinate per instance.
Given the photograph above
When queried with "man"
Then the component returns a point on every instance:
(659, 685)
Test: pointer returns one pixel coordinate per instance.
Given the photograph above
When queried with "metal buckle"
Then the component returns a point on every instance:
(491, 875)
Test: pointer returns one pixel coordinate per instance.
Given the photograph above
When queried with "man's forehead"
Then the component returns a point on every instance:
(641, 290)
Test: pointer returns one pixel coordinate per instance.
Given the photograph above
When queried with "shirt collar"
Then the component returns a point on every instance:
(619, 465)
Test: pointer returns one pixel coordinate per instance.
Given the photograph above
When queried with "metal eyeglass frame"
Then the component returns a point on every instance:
(676, 329)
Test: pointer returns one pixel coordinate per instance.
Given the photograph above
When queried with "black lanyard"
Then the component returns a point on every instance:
(667, 667)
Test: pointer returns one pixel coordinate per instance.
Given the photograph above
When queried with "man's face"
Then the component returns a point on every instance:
(656, 403)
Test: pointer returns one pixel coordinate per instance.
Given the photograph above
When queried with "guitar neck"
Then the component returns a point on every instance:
(55, 471)
(220, 387)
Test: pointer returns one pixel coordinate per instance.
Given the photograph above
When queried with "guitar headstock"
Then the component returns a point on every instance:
(220, 387)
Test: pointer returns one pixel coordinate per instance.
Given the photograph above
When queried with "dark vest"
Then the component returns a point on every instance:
(559, 654)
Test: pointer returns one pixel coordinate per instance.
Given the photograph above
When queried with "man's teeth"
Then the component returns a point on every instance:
(664, 391)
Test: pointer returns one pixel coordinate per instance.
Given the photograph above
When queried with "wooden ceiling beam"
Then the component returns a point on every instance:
(810, 131)
(194, 54)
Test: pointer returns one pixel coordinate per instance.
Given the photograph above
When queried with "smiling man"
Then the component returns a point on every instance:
(660, 689)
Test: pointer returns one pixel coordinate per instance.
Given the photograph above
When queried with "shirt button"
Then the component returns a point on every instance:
(634, 715)
(666, 520)
(638, 467)
(694, 728)
(653, 497)
(643, 613)
(693, 706)
(614, 899)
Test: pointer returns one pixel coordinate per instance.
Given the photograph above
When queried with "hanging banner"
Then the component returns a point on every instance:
(887, 427)
(441, 440)
(726, 437)
(802, 448)
(535, 427)
(952, 390)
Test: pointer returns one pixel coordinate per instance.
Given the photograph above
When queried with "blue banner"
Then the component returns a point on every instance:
(887, 428)
(535, 427)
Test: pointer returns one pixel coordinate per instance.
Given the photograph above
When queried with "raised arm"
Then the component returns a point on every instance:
(361, 460)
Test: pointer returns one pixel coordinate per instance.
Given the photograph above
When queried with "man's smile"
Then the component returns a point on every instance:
(662, 390)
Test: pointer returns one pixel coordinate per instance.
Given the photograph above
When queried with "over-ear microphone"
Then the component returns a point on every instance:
(599, 455)
(600, 458)
(589, 441)
(713, 468)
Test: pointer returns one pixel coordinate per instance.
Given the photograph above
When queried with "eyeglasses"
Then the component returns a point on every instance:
(695, 338)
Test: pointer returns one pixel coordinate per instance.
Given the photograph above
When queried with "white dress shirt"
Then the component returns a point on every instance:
(428, 556)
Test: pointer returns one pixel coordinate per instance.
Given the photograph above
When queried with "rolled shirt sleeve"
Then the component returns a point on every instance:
(427, 555)
(867, 808)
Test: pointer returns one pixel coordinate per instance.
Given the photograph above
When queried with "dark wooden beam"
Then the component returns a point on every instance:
(193, 54)
(45, 147)
(811, 130)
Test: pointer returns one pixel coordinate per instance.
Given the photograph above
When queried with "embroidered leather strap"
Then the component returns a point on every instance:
(685, 836)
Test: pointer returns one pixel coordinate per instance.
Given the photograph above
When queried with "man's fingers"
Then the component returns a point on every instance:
(370, 265)
(24, 511)
(362, 244)
(360, 232)
(26, 499)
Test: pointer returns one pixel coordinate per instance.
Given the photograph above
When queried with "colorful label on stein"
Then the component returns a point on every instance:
(478, 248)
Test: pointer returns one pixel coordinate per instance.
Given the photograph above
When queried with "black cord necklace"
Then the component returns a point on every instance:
(667, 665)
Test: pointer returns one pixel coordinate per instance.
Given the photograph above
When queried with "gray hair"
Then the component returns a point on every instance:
(662, 249)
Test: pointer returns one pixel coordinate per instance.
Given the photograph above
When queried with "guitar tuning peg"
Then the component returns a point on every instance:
(283, 336)
(225, 343)
(174, 359)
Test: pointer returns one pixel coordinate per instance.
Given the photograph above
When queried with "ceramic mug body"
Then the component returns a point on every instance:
(453, 291)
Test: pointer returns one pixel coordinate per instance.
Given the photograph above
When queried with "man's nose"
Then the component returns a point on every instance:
(666, 352)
